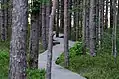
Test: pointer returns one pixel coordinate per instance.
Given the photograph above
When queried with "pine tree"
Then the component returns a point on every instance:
(50, 42)
(18, 64)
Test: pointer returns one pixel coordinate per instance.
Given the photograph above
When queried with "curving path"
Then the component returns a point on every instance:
(58, 72)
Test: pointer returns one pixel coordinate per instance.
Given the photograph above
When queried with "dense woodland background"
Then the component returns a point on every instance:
(27, 28)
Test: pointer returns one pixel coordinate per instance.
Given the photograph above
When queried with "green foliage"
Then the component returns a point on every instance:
(35, 74)
(4, 45)
(36, 4)
(101, 66)
(4, 64)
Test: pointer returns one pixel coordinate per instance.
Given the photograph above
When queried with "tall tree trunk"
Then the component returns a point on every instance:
(92, 26)
(69, 17)
(80, 15)
(85, 31)
(18, 64)
(115, 12)
(6, 18)
(87, 23)
(50, 42)
(101, 22)
(77, 20)
(3, 22)
(84, 26)
(34, 41)
(111, 16)
(66, 52)
(48, 11)
(40, 21)
(44, 36)
(74, 18)
(62, 16)
(97, 20)
(106, 15)
(57, 26)
(118, 15)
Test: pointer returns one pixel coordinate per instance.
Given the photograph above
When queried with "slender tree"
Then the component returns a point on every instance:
(66, 52)
(111, 16)
(48, 11)
(18, 64)
(50, 42)
(62, 15)
(3, 21)
(114, 37)
(84, 26)
(106, 15)
(57, 19)
(77, 19)
(69, 17)
(87, 23)
(44, 35)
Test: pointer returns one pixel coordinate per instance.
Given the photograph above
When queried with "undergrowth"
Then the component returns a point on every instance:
(4, 64)
(101, 66)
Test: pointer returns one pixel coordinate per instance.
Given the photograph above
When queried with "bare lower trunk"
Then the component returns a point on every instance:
(48, 11)
(3, 21)
(69, 17)
(40, 21)
(66, 52)
(77, 20)
(50, 42)
(44, 36)
(114, 41)
(34, 41)
(18, 64)
(57, 19)
(62, 16)
(87, 23)
(92, 26)
(84, 27)
(106, 15)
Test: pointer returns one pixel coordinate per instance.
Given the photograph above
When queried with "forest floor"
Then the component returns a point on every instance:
(58, 72)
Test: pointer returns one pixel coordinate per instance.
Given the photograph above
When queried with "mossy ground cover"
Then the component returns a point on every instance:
(102, 66)
(4, 64)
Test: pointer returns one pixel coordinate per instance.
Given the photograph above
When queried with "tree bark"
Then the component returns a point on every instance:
(50, 42)
(66, 52)
(114, 38)
(92, 27)
(34, 41)
(77, 19)
(62, 16)
(3, 21)
(111, 16)
(48, 11)
(44, 36)
(69, 17)
(18, 64)
(57, 19)
(106, 15)
(87, 23)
